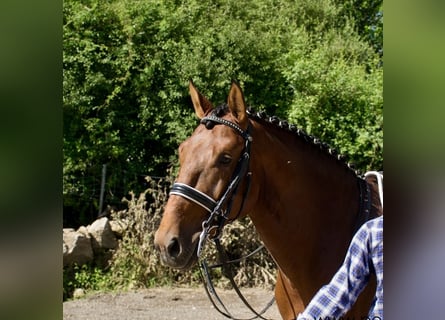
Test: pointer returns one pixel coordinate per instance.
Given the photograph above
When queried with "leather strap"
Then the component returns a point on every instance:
(194, 195)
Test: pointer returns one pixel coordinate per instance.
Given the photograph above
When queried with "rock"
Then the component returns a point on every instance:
(118, 227)
(102, 237)
(76, 248)
(78, 293)
(84, 231)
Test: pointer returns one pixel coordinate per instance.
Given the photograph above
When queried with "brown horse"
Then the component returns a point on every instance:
(304, 200)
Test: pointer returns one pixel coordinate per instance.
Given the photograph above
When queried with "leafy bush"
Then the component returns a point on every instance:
(337, 95)
(87, 277)
(126, 64)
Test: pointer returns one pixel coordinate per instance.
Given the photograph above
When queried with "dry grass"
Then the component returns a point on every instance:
(136, 263)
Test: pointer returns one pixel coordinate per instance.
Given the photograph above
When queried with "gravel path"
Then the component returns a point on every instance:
(165, 303)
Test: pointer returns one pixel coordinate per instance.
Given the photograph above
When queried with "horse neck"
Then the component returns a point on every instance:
(305, 204)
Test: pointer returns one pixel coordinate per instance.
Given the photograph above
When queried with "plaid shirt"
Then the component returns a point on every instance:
(365, 254)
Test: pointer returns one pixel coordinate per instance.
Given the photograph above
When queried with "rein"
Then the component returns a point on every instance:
(364, 213)
(225, 265)
(219, 214)
(364, 210)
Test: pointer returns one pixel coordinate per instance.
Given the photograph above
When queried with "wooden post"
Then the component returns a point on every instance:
(102, 189)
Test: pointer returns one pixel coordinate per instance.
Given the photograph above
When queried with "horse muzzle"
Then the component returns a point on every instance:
(176, 252)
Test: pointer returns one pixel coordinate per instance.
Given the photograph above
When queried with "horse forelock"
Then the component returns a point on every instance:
(221, 110)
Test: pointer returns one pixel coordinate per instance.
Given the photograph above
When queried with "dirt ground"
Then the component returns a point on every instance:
(166, 303)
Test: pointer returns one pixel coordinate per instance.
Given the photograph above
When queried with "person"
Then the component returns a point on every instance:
(364, 257)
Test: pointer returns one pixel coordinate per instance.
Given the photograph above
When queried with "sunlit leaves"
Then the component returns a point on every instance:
(126, 65)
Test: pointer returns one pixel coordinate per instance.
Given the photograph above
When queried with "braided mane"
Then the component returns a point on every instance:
(223, 109)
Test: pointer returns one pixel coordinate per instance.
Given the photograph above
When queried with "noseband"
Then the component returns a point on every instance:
(219, 210)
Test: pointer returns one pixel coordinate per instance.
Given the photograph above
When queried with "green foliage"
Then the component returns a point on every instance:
(87, 277)
(337, 95)
(368, 19)
(126, 65)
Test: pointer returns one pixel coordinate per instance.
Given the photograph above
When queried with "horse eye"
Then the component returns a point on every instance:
(225, 159)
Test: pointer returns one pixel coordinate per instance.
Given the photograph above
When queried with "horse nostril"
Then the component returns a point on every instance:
(173, 248)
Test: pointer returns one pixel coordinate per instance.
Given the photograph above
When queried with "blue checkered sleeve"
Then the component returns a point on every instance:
(365, 253)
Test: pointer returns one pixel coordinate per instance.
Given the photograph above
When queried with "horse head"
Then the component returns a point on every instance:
(208, 160)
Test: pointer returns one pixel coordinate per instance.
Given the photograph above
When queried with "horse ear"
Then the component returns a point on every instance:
(200, 103)
(236, 104)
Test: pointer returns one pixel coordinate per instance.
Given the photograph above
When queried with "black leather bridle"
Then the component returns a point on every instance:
(219, 210)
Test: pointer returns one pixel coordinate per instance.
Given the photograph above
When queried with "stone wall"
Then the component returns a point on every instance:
(90, 243)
